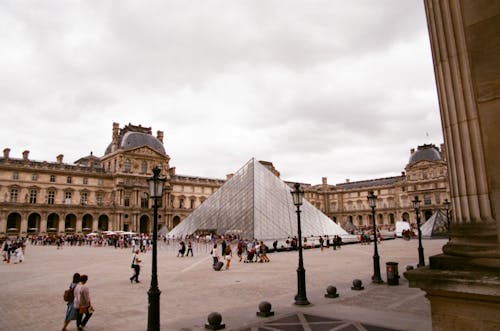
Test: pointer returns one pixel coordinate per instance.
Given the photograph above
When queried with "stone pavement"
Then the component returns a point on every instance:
(31, 292)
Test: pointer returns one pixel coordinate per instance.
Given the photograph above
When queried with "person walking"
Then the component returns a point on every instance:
(136, 266)
(82, 303)
(228, 255)
(190, 248)
(215, 255)
(71, 312)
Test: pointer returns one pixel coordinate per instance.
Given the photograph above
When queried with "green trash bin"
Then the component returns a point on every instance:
(392, 273)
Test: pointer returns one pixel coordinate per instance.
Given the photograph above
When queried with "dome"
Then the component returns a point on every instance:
(132, 140)
(425, 153)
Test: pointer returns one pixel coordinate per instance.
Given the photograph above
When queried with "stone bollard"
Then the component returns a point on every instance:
(331, 292)
(357, 285)
(265, 309)
(214, 322)
(409, 267)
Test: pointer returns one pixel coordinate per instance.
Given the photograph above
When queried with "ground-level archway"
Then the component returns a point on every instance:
(52, 222)
(175, 221)
(87, 223)
(34, 222)
(103, 223)
(144, 224)
(13, 223)
(70, 223)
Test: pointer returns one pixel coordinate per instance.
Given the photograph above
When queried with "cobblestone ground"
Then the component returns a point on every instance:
(31, 292)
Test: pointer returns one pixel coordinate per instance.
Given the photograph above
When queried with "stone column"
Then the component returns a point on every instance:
(463, 283)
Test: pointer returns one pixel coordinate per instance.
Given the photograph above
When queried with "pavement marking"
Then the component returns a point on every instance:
(195, 264)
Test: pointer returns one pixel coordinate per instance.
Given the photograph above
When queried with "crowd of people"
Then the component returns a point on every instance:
(13, 250)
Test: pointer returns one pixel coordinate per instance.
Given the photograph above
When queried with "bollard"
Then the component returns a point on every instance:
(357, 285)
(392, 273)
(265, 309)
(214, 322)
(331, 292)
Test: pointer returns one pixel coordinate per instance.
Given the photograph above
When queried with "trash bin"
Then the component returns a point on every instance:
(392, 273)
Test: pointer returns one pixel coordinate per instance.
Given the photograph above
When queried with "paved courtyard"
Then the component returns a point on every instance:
(31, 292)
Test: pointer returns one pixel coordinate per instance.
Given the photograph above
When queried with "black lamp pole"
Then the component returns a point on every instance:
(421, 260)
(446, 204)
(156, 186)
(301, 297)
(376, 278)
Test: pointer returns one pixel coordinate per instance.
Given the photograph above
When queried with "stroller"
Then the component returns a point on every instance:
(250, 256)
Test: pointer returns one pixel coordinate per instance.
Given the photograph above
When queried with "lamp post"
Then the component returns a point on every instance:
(372, 201)
(300, 298)
(416, 206)
(446, 204)
(155, 191)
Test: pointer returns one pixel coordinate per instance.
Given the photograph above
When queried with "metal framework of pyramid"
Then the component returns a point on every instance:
(255, 203)
(436, 226)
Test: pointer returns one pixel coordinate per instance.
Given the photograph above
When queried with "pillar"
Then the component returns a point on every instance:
(463, 283)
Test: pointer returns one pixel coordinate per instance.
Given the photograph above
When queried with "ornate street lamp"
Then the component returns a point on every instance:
(446, 204)
(300, 298)
(155, 192)
(416, 206)
(372, 201)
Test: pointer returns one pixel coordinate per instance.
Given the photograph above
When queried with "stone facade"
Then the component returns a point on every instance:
(111, 192)
(425, 176)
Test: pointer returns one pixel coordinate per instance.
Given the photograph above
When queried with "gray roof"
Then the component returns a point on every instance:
(371, 182)
(426, 153)
(132, 140)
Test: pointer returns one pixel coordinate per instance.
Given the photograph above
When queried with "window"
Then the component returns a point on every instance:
(51, 197)
(144, 200)
(427, 199)
(67, 198)
(126, 200)
(192, 203)
(85, 180)
(99, 198)
(13, 195)
(52, 178)
(15, 175)
(34, 177)
(127, 165)
(144, 167)
(99, 182)
(438, 199)
(83, 198)
(33, 194)
(68, 179)
(181, 203)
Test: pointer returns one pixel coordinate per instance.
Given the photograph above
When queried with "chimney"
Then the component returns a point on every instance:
(60, 158)
(25, 155)
(412, 151)
(403, 173)
(114, 139)
(347, 180)
(6, 153)
(324, 180)
(229, 176)
(159, 136)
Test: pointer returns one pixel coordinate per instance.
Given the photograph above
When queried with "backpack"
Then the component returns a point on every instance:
(69, 295)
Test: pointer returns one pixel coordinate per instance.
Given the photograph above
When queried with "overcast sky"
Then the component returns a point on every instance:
(337, 89)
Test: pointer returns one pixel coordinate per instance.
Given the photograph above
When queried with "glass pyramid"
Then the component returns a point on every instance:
(254, 203)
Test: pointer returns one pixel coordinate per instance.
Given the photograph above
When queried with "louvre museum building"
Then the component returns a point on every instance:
(111, 192)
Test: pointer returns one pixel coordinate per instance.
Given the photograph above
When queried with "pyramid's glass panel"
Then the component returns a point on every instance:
(255, 204)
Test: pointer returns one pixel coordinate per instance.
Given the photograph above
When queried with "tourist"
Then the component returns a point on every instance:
(228, 255)
(215, 255)
(71, 313)
(136, 266)
(239, 250)
(189, 248)
(82, 303)
(182, 249)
